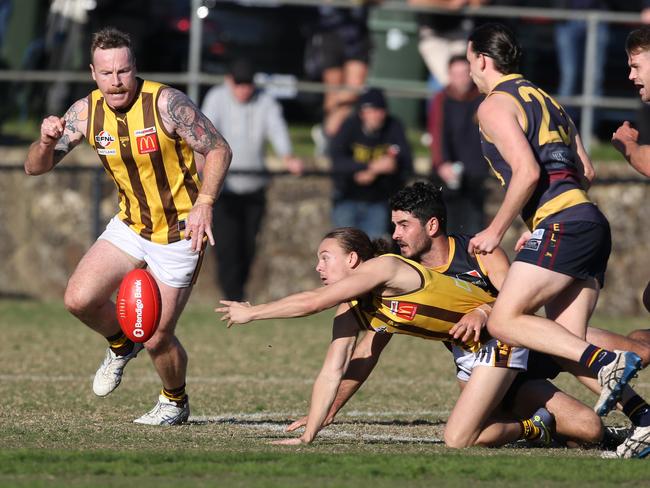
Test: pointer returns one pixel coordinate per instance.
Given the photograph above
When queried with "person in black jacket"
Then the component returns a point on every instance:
(371, 160)
(456, 156)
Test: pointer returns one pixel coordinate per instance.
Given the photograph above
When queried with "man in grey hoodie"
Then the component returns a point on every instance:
(249, 118)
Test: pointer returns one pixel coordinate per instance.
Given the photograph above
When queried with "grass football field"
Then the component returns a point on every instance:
(246, 384)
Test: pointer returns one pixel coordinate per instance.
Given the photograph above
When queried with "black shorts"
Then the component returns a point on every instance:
(336, 50)
(540, 367)
(575, 248)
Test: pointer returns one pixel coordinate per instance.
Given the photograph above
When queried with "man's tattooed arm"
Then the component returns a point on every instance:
(76, 120)
(186, 120)
(182, 117)
(58, 137)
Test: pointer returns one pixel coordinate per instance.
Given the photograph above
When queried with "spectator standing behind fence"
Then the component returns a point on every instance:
(339, 51)
(456, 148)
(249, 117)
(442, 36)
(570, 45)
(371, 160)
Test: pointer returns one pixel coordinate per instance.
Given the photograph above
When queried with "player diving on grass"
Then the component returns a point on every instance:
(412, 210)
(392, 294)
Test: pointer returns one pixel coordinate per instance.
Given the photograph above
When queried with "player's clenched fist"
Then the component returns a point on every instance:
(52, 129)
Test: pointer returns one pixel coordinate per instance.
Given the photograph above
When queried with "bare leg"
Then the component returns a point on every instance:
(637, 341)
(526, 288)
(574, 420)
(167, 354)
(469, 422)
(338, 105)
(91, 286)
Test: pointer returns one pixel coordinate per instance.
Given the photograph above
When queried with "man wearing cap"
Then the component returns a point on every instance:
(371, 160)
(250, 117)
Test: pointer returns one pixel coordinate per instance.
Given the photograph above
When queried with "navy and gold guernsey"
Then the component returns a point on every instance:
(154, 171)
(428, 312)
(549, 132)
(463, 266)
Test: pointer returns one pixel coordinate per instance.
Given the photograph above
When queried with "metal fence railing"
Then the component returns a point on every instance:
(194, 78)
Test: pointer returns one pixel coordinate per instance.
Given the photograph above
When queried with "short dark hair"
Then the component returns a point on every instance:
(457, 58)
(110, 38)
(499, 43)
(242, 72)
(424, 201)
(638, 40)
(352, 239)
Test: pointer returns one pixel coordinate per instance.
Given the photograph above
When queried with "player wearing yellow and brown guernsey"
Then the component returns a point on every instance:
(145, 135)
(393, 295)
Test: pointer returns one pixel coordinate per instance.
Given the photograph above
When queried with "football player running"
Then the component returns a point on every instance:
(145, 135)
(534, 149)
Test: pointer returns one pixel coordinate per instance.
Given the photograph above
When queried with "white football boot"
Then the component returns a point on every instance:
(613, 377)
(637, 445)
(166, 412)
(109, 374)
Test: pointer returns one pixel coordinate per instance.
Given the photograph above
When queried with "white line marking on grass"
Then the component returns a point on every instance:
(285, 416)
(208, 380)
(323, 434)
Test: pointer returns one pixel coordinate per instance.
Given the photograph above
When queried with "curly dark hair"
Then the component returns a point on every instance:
(498, 42)
(110, 38)
(638, 40)
(423, 200)
(352, 239)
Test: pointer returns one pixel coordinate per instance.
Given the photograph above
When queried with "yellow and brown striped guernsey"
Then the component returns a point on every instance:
(154, 171)
(428, 312)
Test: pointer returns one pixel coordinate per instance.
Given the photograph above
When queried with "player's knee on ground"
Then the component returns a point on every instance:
(457, 440)
(583, 427)
(642, 340)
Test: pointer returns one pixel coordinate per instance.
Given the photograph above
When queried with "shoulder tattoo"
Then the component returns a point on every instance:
(191, 124)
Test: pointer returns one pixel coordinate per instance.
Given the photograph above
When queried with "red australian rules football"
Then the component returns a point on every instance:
(138, 305)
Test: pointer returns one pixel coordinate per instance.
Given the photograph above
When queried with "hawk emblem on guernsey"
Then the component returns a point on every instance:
(403, 310)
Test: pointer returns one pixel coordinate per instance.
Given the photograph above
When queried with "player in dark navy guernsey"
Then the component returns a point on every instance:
(534, 149)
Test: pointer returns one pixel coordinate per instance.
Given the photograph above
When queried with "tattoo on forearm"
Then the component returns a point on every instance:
(71, 118)
(192, 125)
(62, 148)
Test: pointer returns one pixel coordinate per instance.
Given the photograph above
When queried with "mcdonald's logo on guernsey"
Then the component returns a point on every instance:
(403, 310)
(147, 144)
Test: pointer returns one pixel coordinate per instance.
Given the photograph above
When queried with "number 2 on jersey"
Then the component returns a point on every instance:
(546, 135)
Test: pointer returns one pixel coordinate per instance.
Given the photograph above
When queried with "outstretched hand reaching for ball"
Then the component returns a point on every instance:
(235, 312)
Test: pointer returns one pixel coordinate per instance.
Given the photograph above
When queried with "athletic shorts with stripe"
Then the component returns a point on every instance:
(493, 353)
(576, 248)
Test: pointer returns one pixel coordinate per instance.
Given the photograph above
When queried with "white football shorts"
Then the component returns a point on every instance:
(493, 353)
(174, 264)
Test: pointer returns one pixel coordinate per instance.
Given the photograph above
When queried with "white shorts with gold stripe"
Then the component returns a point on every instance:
(493, 353)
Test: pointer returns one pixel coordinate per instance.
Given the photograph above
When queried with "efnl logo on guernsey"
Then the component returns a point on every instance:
(403, 310)
(147, 140)
(104, 139)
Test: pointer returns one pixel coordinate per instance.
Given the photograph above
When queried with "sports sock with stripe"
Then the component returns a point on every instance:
(176, 395)
(120, 344)
(638, 411)
(529, 430)
(595, 358)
